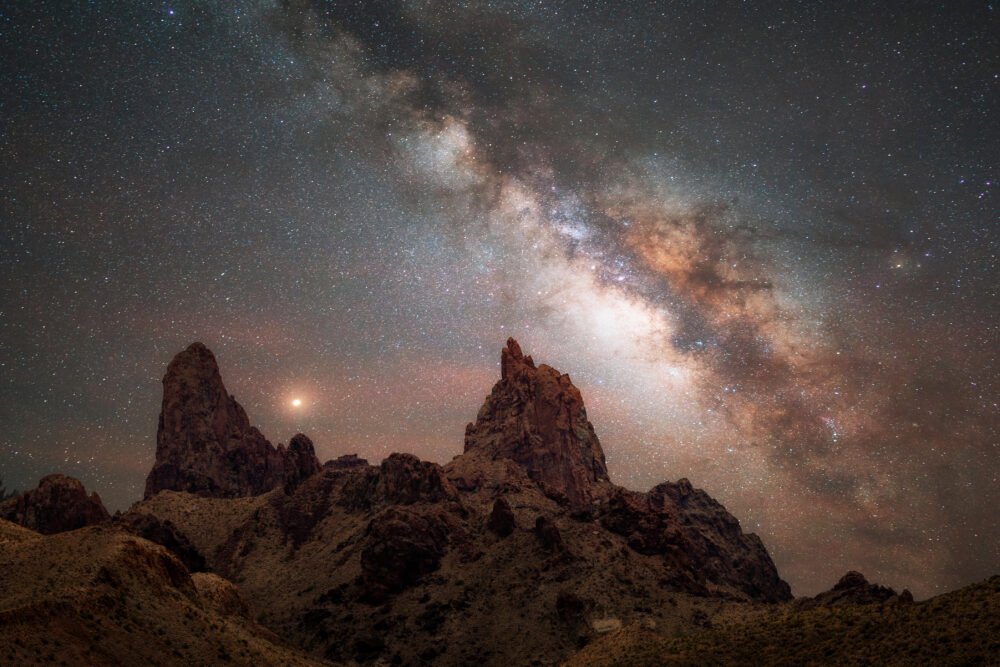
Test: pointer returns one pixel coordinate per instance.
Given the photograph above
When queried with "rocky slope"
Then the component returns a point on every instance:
(523, 535)
(99, 596)
(957, 628)
(59, 503)
(205, 443)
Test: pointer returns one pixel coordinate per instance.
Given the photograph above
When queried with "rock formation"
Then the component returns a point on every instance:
(58, 504)
(535, 417)
(205, 443)
(501, 522)
(402, 546)
(694, 532)
(854, 588)
(518, 551)
(410, 562)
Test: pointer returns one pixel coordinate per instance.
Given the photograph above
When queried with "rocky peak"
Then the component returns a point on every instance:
(300, 459)
(852, 580)
(535, 416)
(205, 443)
(512, 360)
(854, 588)
(58, 504)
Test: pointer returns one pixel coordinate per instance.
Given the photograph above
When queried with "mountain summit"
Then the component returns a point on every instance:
(205, 443)
(535, 417)
(409, 562)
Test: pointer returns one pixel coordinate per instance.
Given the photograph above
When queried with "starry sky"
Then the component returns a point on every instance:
(761, 237)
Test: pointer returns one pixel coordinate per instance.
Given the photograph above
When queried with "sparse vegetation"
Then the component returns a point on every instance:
(51, 590)
(958, 628)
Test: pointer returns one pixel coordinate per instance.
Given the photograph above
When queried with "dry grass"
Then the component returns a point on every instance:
(98, 596)
(958, 628)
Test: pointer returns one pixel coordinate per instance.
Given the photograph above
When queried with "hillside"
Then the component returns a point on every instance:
(99, 596)
(958, 628)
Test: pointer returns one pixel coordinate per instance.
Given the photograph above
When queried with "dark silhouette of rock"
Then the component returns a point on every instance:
(571, 608)
(852, 581)
(300, 460)
(501, 521)
(164, 533)
(715, 543)
(58, 504)
(697, 536)
(536, 417)
(548, 534)
(205, 443)
(346, 461)
(401, 479)
(854, 588)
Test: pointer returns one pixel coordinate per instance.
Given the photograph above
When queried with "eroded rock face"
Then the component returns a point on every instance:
(205, 443)
(58, 504)
(701, 540)
(404, 479)
(536, 417)
(300, 460)
(403, 545)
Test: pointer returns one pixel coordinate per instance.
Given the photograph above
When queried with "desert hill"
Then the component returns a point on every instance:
(957, 628)
(100, 596)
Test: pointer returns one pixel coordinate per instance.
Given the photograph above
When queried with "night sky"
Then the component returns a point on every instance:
(761, 237)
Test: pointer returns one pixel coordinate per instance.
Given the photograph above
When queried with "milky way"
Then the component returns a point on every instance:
(762, 239)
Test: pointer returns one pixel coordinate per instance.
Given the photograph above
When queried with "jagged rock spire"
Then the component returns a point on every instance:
(205, 443)
(536, 417)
